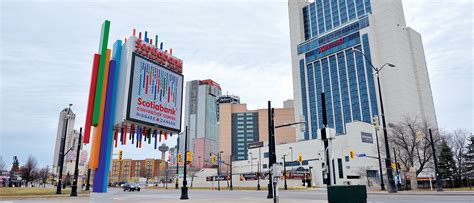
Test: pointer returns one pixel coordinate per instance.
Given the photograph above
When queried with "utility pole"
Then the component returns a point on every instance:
(325, 140)
(271, 147)
(61, 150)
(399, 185)
(382, 185)
(231, 186)
(184, 189)
(177, 164)
(284, 171)
(219, 171)
(439, 184)
(76, 169)
(88, 179)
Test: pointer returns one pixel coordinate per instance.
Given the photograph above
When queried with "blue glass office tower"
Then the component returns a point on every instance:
(323, 33)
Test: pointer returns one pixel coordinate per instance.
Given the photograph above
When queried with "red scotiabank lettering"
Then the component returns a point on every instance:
(331, 45)
(158, 56)
(155, 106)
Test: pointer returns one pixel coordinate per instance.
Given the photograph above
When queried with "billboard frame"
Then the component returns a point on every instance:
(129, 96)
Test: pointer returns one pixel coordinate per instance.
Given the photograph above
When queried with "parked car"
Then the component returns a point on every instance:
(131, 187)
(118, 184)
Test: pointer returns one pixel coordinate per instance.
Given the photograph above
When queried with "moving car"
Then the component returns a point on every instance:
(131, 187)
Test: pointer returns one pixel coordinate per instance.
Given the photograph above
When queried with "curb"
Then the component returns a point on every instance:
(430, 194)
(41, 196)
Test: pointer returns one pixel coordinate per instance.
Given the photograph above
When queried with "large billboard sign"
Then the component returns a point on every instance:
(155, 94)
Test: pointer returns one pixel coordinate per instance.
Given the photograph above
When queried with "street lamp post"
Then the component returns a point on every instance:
(258, 173)
(61, 150)
(284, 171)
(382, 185)
(184, 189)
(391, 182)
(76, 169)
(177, 164)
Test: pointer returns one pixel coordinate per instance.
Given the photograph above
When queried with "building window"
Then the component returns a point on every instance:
(240, 118)
(249, 122)
(265, 155)
(341, 170)
(240, 123)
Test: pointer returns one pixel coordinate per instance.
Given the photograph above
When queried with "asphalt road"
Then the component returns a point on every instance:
(294, 196)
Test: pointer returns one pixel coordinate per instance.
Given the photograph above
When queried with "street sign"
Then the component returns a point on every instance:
(361, 155)
(255, 145)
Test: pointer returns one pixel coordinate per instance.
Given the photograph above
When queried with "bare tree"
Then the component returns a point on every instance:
(43, 175)
(457, 141)
(411, 142)
(28, 170)
(2, 164)
(145, 173)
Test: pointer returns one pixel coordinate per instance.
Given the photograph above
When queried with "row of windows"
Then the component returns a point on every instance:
(323, 16)
(344, 31)
(348, 86)
(248, 131)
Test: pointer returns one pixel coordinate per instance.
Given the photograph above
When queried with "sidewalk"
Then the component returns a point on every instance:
(423, 192)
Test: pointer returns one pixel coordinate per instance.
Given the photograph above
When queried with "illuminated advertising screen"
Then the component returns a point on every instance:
(155, 95)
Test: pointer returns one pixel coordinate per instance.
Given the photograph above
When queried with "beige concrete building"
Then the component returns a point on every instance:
(239, 126)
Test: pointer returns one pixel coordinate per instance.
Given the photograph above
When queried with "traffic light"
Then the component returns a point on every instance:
(300, 158)
(418, 135)
(189, 156)
(374, 120)
(213, 159)
(351, 154)
(180, 159)
(120, 155)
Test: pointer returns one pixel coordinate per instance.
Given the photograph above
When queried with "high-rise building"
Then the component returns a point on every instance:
(201, 119)
(239, 126)
(71, 138)
(70, 147)
(324, 34)
(226, 99)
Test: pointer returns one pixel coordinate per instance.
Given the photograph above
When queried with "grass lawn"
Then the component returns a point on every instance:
(32, 191)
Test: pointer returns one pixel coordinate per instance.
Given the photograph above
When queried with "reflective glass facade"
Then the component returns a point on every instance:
(332, 29)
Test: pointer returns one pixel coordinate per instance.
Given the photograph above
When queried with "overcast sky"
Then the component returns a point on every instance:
(46, 51)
